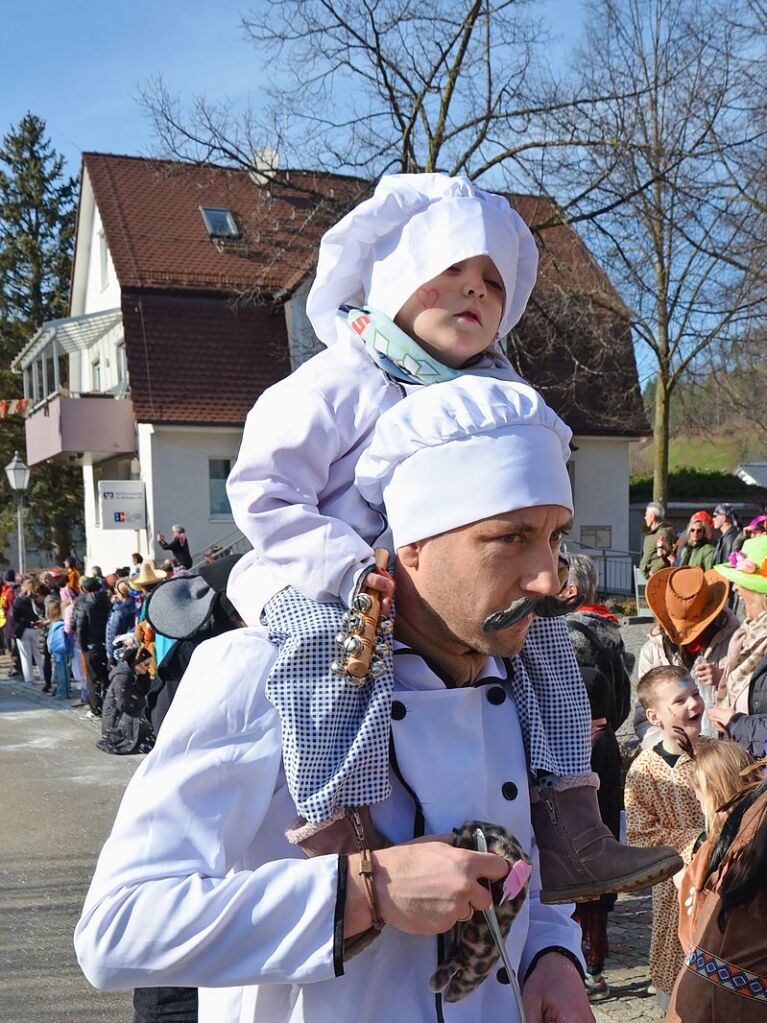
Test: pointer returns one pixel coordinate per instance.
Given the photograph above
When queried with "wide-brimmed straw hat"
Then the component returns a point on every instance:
(686, 601)
(748, 567)
(148, 576)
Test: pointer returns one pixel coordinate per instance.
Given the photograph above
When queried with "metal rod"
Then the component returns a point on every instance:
(20, 530)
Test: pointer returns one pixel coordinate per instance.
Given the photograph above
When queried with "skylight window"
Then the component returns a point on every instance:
(219, 222)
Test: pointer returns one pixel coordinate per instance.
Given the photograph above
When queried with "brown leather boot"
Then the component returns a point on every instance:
(580, 857)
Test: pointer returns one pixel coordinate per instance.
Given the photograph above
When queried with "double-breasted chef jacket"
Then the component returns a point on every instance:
(197, 885)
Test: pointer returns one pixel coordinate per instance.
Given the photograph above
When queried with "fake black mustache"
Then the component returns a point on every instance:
(543, 607)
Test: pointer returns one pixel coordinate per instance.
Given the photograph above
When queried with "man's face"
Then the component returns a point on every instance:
(649, 518)
(465, 575)
(678, 704)
(720, 522)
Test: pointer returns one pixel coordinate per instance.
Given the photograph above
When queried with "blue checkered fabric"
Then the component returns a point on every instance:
(335, 735)
(552, 702)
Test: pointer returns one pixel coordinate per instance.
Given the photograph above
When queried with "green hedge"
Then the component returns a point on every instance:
(698, 485)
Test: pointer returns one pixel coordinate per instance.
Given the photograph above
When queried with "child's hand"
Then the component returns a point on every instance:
(382, 582)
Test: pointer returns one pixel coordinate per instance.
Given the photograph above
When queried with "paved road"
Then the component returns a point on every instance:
(58, 797)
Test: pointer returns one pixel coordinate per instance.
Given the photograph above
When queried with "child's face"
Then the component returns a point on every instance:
(677, 704)
(456, 314)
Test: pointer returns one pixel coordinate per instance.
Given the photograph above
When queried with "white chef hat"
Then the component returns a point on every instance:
(464, 450)
(412, 228)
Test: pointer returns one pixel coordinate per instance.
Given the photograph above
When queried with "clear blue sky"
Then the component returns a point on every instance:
(78, 63)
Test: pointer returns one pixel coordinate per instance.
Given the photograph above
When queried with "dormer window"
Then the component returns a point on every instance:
(220, 222)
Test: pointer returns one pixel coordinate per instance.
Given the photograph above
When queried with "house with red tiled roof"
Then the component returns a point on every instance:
(188, 300)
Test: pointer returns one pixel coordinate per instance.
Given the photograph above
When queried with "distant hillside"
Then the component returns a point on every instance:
(714, 452)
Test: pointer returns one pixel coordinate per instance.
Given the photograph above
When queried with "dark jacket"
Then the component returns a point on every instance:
(725, 545)
(179, 550)
(750, 730)
(597, 643)
(122, 619)
(91, 616)
(24, 614)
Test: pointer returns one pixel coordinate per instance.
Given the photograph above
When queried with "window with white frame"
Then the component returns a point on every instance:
(220, 222)
(218, 472)
(96, 374)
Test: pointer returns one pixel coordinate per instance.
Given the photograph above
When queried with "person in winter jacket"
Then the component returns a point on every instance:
(26, 615)
(90, 618)
(60, 648)
(726, 521)
(122, 617)
(124, 723)
(697, 550)
(657, 528)
(596, 637)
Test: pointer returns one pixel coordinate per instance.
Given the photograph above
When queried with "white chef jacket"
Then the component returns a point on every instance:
(292, 488)
(197, 885)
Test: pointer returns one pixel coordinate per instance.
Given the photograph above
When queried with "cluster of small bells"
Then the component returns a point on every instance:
(351, 644)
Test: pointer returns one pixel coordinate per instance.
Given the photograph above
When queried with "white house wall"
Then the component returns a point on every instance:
(173, 463)
(99, 296)
(601, 486)
(180, 483)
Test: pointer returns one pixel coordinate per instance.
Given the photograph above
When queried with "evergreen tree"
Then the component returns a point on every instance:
(37, 222)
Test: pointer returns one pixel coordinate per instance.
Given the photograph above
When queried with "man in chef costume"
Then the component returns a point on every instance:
(197, 884)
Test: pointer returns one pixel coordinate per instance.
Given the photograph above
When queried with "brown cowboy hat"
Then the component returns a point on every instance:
(686, 600)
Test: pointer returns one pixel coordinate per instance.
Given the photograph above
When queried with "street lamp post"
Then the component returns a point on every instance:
(17, 472)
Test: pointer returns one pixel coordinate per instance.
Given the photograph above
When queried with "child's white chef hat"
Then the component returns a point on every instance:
(412, 228)
(461, 451)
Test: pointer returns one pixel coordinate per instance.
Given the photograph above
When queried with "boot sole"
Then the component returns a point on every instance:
(587, 892)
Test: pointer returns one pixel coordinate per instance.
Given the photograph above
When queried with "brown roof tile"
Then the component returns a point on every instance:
(200, 360)
(157, 238)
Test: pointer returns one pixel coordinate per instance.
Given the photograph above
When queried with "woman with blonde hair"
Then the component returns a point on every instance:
(722, 771)
(723, 893)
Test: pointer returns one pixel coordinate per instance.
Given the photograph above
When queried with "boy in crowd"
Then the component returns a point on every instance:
(661, 807)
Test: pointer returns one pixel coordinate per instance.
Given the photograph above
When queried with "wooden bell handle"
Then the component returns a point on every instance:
(359, 666)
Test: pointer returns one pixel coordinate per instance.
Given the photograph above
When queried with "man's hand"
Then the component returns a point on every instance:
(555, 993)
(423, 887)
(720, 717)
(161, 537)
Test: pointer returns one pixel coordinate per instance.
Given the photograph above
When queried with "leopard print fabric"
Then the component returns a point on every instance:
(471, 950)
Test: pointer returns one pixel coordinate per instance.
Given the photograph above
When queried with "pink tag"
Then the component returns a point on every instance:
(516, 879)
